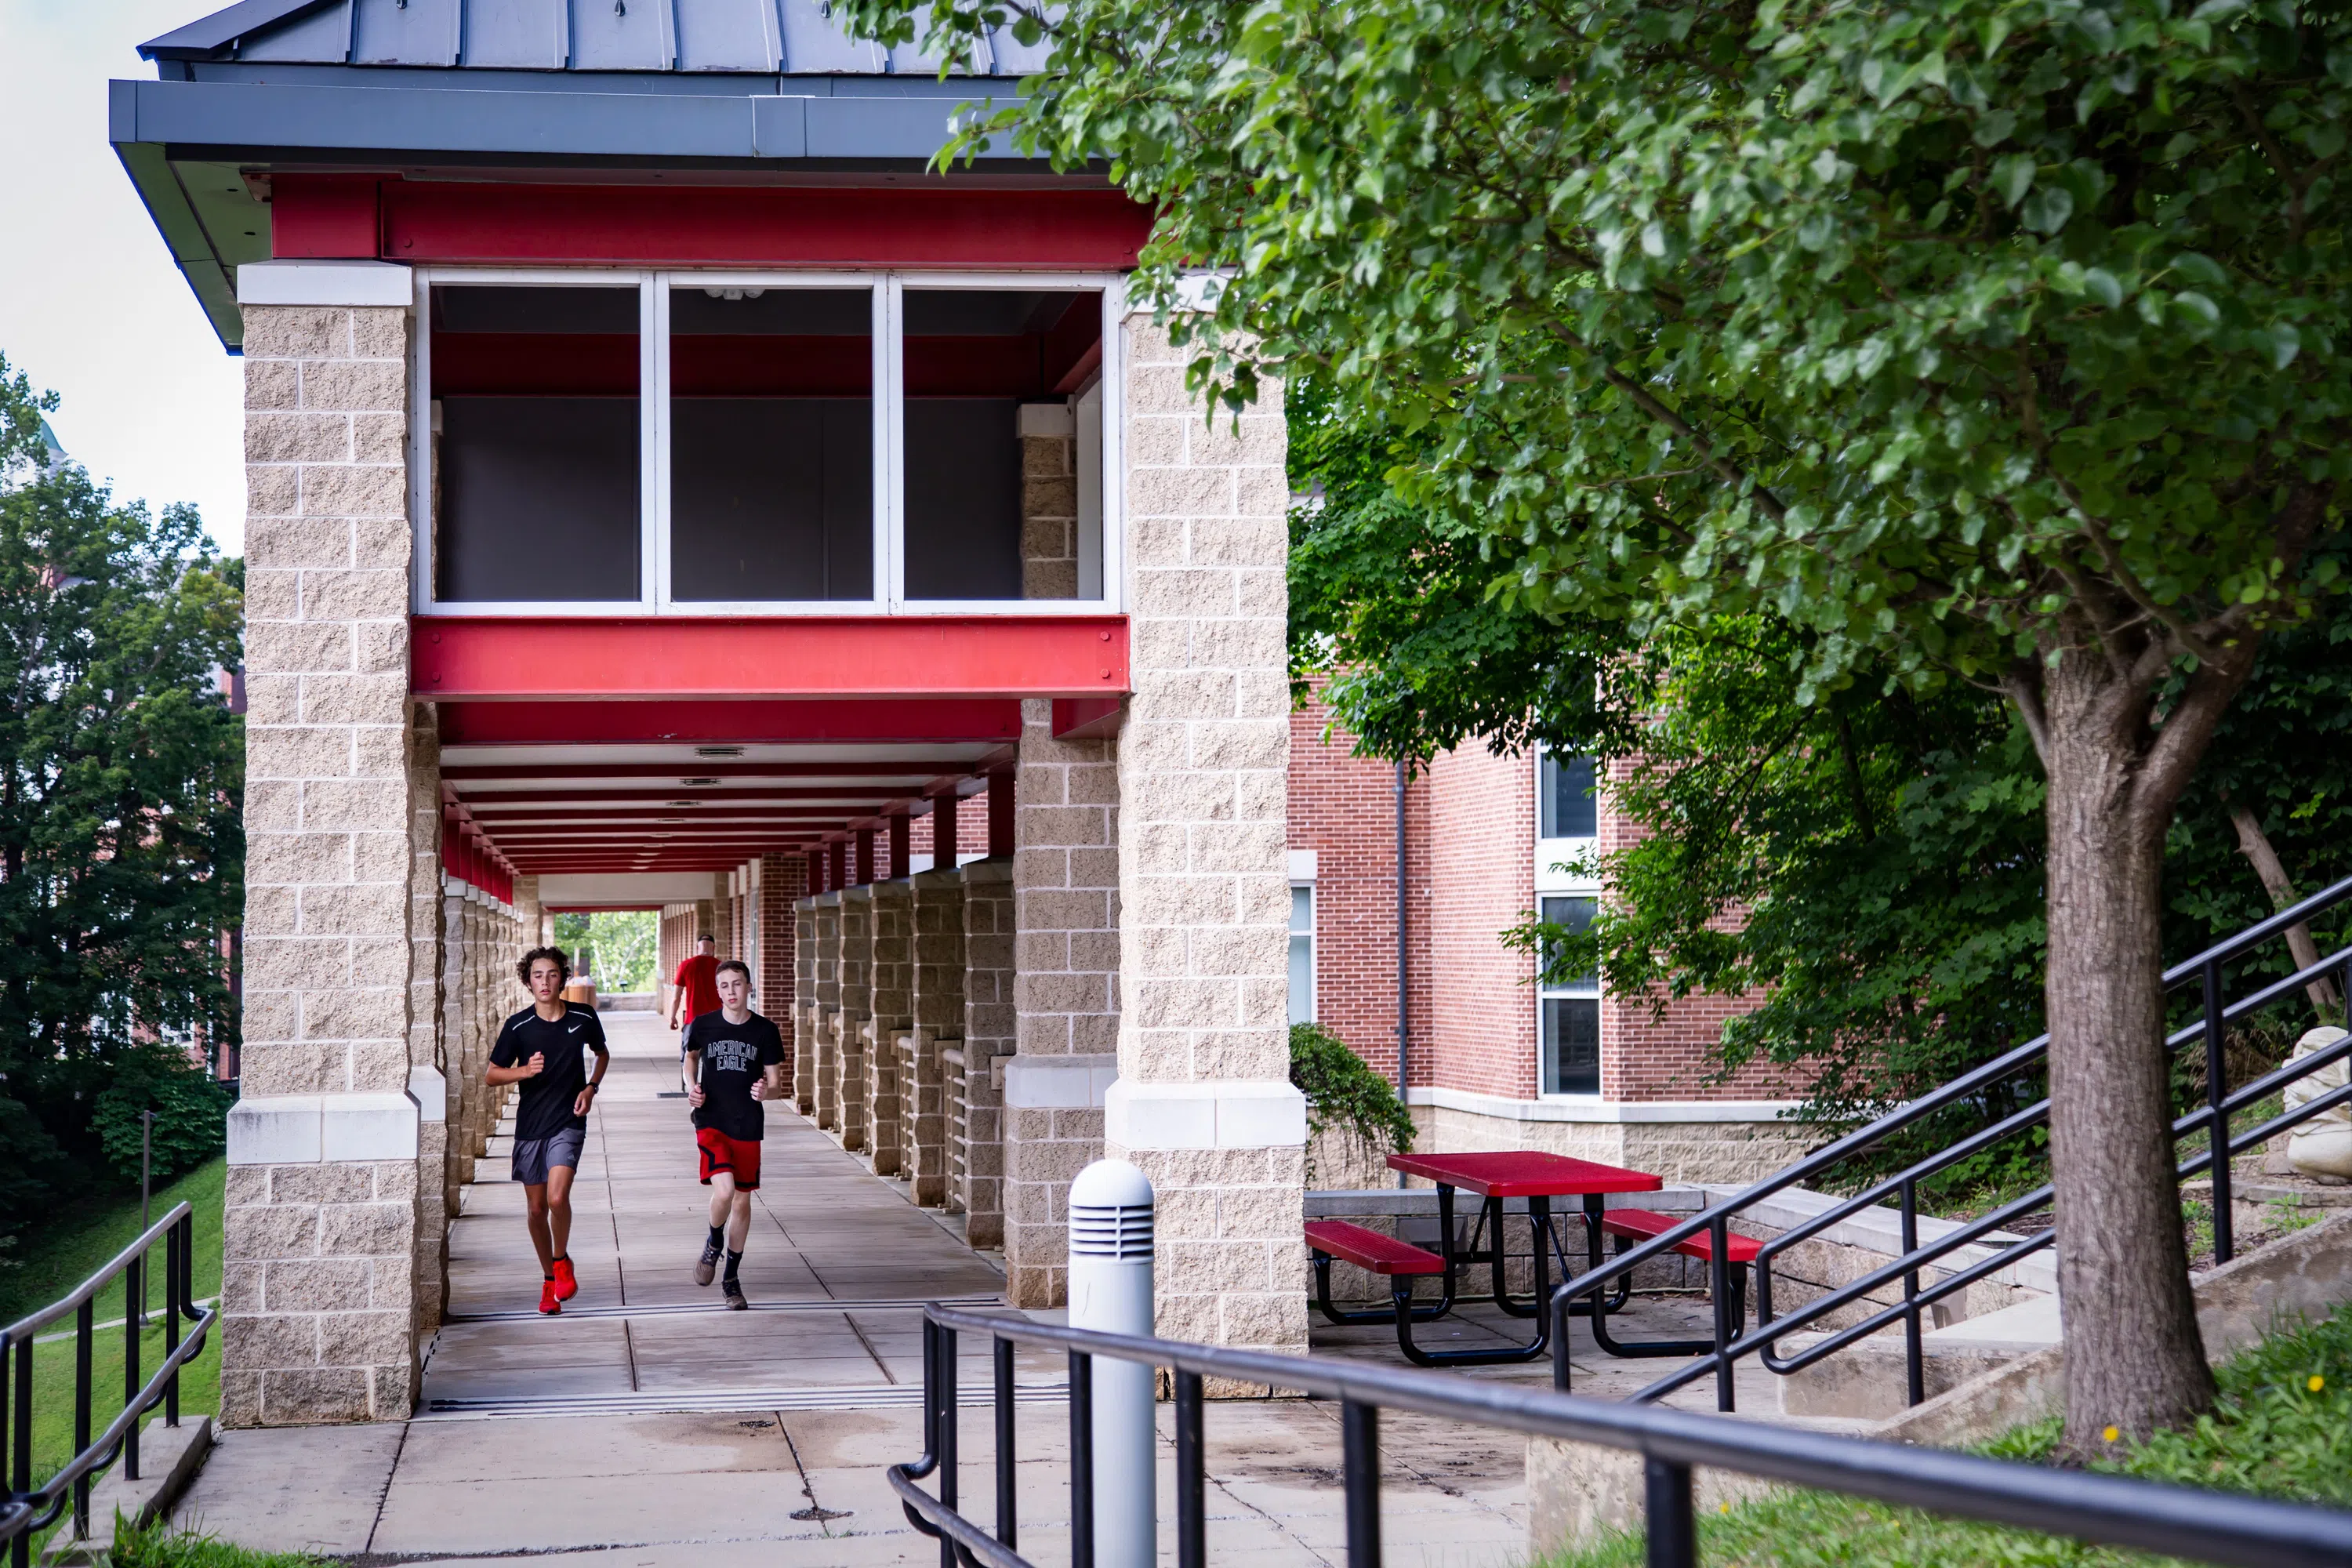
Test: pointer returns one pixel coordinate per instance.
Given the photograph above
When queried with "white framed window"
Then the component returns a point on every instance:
(614, 441)
(1302, 953)
(1568, 894)
(1570, 1010)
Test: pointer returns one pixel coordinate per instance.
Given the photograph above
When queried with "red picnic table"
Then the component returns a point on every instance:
(1492, 1177)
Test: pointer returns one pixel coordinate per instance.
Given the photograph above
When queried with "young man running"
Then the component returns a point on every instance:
(694, 989)
(734, 1059)
(540, 1047)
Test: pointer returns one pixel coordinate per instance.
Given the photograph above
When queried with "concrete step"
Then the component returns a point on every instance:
(1867, 1380)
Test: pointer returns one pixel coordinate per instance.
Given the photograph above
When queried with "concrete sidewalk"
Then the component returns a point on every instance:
(647, 1426)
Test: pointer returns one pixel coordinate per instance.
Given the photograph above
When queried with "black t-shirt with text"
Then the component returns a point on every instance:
(733, 1057)
(545, 1108)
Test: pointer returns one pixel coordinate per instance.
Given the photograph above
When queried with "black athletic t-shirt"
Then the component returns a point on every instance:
(733, 1057)
(545, 1108)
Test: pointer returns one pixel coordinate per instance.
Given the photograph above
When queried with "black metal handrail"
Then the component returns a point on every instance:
(2176, 1522)
(26, 1508)
(1733, 1340)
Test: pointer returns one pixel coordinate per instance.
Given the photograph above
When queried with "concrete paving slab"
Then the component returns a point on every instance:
(293, 1488)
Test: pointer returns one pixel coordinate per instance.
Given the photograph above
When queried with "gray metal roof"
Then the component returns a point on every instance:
(790, 37)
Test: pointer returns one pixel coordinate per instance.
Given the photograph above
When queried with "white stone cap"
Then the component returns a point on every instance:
(1302, 865)
(1059, 1083)
(324, 283)
(307, 1129)
(1231, 1113)
(1047, 420)
(431, 1092)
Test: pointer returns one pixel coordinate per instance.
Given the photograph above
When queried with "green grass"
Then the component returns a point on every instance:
(2274, 1434)
(85, 1238)
(60, 1256)
(159, 1545)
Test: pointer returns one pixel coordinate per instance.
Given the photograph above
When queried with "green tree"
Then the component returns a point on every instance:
(121, 844)
(1991, 340)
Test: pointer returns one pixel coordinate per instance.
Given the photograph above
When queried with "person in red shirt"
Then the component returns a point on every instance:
(694, 989)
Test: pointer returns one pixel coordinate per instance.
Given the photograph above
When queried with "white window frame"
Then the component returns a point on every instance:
(1551, 882)
(653, 286)
(1314, 956)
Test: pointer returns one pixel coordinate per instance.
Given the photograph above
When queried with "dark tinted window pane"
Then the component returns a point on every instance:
(1566, 784)
(1574, 915)
(772, 444)
(994, 446)
(1572, 1027)
(535, 492)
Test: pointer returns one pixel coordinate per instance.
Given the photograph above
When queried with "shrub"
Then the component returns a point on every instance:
(1342, 1092)
(191, 1112)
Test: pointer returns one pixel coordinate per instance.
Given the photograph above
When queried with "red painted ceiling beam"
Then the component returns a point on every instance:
(586, 724)
(911, 768)
(437, 221)
(681, 657)
(483, 802)
(493, 818)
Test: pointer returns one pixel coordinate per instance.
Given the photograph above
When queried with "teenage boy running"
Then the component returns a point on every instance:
(694, 989)
(734, 1059)
(540, 1047)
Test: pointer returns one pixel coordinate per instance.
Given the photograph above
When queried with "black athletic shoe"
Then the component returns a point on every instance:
(735, 1302)
(707, 1267)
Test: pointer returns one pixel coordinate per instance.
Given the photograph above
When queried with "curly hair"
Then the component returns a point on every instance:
(564, 963)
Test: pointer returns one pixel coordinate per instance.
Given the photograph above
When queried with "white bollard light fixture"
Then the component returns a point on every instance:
(1110, 1291)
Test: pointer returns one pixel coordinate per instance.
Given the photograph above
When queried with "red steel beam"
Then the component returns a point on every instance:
(846, 768)
(656, 793)
(689, 657)
(658, 813)
(736, 723)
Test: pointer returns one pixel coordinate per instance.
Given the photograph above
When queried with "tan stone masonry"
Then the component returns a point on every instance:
(978, 1148)
(1203, 1101)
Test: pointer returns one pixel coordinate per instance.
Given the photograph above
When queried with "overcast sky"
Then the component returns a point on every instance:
(89, 301)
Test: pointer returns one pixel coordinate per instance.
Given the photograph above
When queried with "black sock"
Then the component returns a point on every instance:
(718, 1236)
(734, 1261)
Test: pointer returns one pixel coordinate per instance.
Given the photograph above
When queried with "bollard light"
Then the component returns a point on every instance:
(1111, 1290)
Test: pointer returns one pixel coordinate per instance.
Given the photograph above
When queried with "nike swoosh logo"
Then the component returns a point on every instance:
(575, 1028)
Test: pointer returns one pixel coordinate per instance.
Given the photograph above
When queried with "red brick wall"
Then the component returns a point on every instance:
(1477, 1030)
(972, 828)
(1344, 809)
(1470, 874)
(782, 881)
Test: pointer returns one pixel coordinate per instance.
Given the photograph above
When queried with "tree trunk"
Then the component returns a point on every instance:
(2255, 844)
(2134, 1361)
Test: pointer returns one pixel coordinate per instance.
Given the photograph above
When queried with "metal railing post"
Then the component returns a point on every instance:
(1006, 1523)
(1719, 1286)
(135, 1278)
(1082, 1460)
(947, 1445)
(1914, 1368)
(1360, 1451)
(174, 1302)
(2217, 1094)
(1672, 1531)
(85, 1345)
(1191, 1475)
(20, 1550)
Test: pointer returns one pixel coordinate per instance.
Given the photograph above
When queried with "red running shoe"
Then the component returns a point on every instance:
(549, 1301)
(567, 1284)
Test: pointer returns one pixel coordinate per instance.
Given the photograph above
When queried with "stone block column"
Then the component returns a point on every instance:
(1064, 987)
(804, 1013)
(988, 1034)
(1204, 1101)
(428, 1080)
(856, 1008)
(825, 917)
(938, 1027)
(893, 1002)
(322, 1229)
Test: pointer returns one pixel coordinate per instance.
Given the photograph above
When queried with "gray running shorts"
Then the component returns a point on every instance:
(534, 1158)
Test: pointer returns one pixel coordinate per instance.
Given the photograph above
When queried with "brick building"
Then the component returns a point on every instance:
(665, 493)
(1494, 1060)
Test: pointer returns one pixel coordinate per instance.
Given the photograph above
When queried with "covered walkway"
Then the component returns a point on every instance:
(837, 1266)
